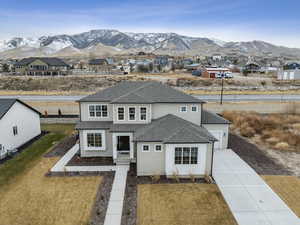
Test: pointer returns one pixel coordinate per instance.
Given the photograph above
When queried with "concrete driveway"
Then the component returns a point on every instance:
(250, 199)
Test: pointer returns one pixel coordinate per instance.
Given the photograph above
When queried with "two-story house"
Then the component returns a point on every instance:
(162, 130)
(41, 66)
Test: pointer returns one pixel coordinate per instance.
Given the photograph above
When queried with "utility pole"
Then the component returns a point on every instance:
(222, 89)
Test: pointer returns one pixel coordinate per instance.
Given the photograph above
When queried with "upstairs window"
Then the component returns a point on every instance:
(131, 111)
(183, 108)
(143, 113)
(15, 130)
(121, 113)
(98, 111)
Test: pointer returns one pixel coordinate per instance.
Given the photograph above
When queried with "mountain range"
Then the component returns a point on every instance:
(104, 42)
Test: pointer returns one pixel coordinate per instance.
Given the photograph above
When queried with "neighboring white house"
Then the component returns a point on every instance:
(162, 130)
(288, 74)
(19, 123)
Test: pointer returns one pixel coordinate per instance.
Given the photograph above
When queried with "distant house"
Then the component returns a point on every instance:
(99, 66)
(161, 60)
(293, 74)
(251, 66)
(19, 123)
(212, 72)
(191, 67)
(41, 66)
(291, 66)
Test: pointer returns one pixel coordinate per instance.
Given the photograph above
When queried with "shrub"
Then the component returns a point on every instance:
(272, 140)
(282, 146)
(246, 130)
(155, 178)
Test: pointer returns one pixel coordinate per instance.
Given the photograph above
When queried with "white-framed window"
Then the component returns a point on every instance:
(194, 108)
(186, 155)
(15, 130)
(183, 108)
(146, 148)
(95, 140)
(158, 148)
(131, 113)
(100, 111)
(143, 113)
(121, 113)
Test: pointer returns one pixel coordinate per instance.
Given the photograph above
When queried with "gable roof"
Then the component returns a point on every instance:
(50, 61)
(172, 129)
(212, 118)
(141, 92)
(6, 104)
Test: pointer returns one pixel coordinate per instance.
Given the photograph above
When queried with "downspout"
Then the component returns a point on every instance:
(212, 158)
(79, 130)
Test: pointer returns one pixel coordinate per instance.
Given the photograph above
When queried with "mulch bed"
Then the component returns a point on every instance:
(255, 157)
(90, 161)
(23, 147)
(62, 147)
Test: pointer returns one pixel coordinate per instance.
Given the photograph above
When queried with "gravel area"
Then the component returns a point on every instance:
(62, 147)
(258, 159)
(90, 161)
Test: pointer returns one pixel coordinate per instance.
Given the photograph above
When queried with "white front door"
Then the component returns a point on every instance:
(218, 135)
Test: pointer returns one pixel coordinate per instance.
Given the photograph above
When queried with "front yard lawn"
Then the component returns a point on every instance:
(288, 188)
(26, 159)
(182, 204)
(27, 197)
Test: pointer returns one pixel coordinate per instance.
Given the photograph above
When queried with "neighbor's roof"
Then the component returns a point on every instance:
(51, 61)
(7, 103)
(141, 92)
(98, 62)
(172, 129)
(212, 118)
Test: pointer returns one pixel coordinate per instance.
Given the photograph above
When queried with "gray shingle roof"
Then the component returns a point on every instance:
(98, 62)
(141, 92)
(7, 103)
(172, 129)
(212, 118)
(50, 61)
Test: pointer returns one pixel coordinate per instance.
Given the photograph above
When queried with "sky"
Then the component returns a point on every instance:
(274, 21)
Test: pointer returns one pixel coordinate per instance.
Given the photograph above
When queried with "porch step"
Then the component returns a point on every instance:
(122, 161)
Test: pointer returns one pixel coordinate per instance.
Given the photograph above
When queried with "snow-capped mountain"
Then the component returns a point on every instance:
(115, 42)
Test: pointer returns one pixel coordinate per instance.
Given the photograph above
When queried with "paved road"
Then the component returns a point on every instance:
(209, 98)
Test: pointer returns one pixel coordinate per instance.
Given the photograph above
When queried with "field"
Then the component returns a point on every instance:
(274, 131)
(27, 197)
(287, 188)
(182, 204)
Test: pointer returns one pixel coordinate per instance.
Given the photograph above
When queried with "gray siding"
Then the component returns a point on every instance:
(220, 127)
(84, 112)
(150, 163)
(108, 152)
(159, 110)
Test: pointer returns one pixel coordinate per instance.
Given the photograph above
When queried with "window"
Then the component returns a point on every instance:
(15, 130)
(143, 113)
(194, 108)
(131, 113)
(98, 111)
(94, 140)
(183, 109)
(121, 113)
(146, 148)
(158, 148)
(186, 155)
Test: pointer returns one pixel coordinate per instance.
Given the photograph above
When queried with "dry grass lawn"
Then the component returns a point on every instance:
(288, 188)
(182, 204)
(34, 199)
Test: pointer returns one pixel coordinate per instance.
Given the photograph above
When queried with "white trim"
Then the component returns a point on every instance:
(103, 140)
(161, 147)
(197, 108)
(135, 113)
(180, 108)
(143, 147)
(96, 104)
(119, 107)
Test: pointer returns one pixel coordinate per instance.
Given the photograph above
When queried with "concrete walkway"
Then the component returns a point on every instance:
(115, 205)
(250, 199)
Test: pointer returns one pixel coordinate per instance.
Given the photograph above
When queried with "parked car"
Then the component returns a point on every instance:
(224, 75)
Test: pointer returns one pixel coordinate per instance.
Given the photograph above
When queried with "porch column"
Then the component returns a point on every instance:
(114, 142)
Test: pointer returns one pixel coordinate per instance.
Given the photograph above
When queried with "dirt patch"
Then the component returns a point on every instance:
(255, 157)
(62, 147)
(90, 161)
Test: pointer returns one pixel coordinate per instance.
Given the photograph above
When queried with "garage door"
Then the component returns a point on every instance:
(219, 136)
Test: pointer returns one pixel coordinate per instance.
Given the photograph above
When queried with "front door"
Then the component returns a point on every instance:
(123, 143)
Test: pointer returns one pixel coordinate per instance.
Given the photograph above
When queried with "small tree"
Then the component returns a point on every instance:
(59, 113)
(5, 67)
